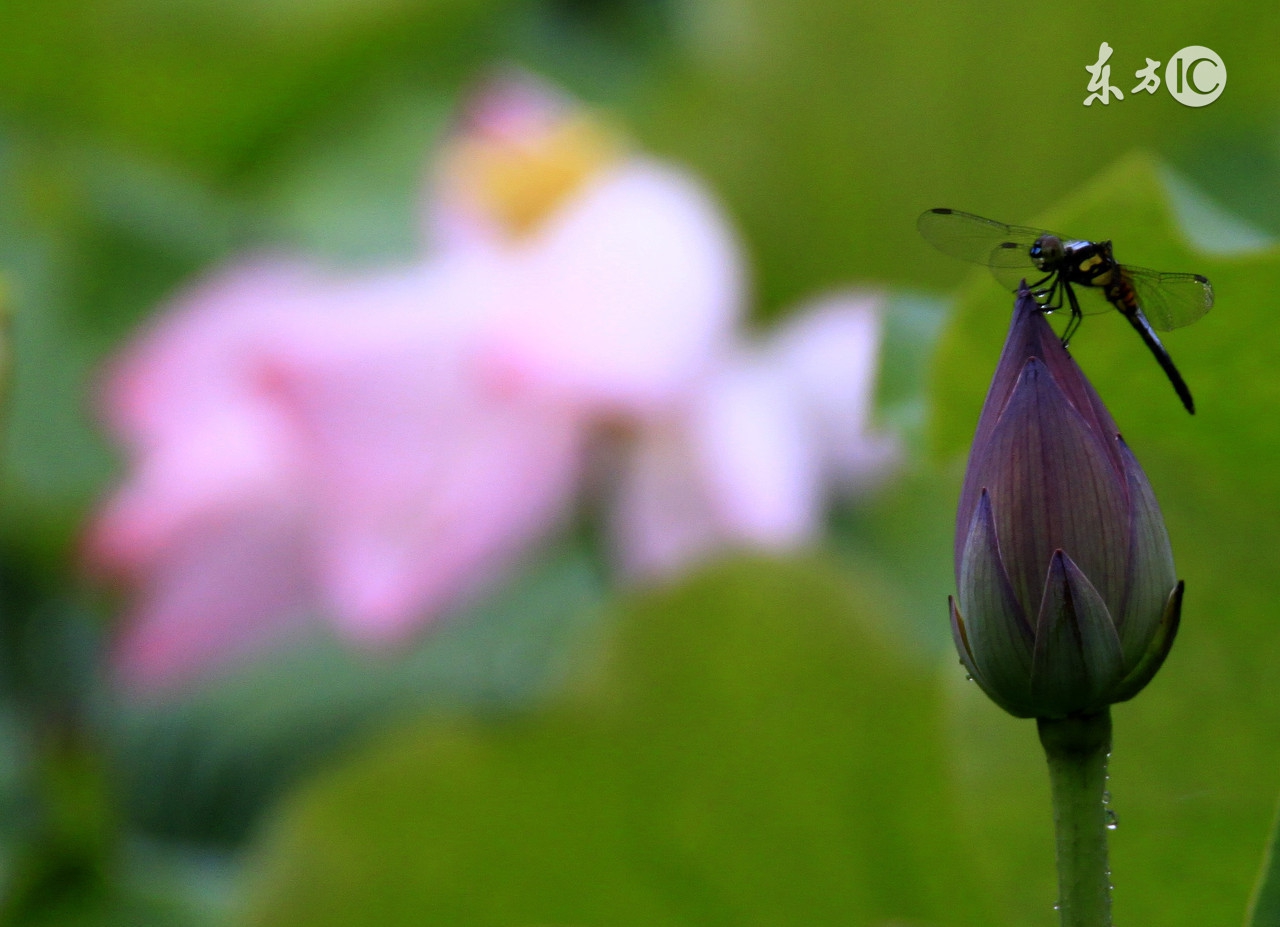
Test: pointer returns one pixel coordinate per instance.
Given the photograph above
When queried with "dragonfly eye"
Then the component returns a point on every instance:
(1047, 252)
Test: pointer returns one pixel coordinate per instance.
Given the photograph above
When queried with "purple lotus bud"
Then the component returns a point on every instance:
(1068, 600)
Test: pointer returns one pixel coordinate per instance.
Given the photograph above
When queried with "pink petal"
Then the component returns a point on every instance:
(184, 401)
(193, 356)
(426, 482)
(759, 459)
(227, 588)
(219, 461)
(735, 468)
(624, 297)
(830, 351)
(663, 518)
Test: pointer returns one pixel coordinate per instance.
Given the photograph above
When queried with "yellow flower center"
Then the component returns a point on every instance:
(520, 180)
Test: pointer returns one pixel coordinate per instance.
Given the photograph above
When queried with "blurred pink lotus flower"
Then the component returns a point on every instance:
(374, 450)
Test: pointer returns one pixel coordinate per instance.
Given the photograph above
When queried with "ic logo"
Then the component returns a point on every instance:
(1195, 76)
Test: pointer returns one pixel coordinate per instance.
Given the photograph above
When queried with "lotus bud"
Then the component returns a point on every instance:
(1068, 600)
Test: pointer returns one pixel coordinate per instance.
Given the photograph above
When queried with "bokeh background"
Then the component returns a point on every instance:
(764, 739)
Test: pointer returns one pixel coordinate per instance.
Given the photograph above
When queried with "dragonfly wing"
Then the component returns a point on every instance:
(978, 240)
(1170, 300)
(1093, 300)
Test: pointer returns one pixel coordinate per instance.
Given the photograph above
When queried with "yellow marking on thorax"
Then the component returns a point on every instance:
(1091, 264)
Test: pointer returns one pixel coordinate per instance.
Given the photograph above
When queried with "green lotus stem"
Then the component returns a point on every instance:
(1077, 749)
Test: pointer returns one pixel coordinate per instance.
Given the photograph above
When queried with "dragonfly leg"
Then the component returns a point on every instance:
(1036, 288)
(1047, 304)
(1076, 315)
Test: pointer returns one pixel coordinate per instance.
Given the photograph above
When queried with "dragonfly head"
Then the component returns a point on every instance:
(1047, 252)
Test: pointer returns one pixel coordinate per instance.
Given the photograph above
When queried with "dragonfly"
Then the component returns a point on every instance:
(1055, 266)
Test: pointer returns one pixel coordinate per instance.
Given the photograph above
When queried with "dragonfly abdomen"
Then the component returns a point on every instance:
(1121, 294)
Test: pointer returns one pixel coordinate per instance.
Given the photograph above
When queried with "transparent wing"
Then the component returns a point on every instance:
(1170, 300)
(1003, 248)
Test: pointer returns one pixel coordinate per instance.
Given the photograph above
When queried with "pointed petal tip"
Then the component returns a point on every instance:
(1078, 659)
(984, 584)
(1025, 304)
(1161, 644)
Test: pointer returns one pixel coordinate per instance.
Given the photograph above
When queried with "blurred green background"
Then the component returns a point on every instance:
(771, 742)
